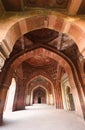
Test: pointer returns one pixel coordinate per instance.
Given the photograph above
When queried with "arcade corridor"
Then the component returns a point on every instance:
(42, 64)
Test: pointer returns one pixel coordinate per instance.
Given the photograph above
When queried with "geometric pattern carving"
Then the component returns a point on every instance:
(46, 3)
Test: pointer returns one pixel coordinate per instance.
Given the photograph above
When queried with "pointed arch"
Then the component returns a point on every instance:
(62, 60)
(18, 26)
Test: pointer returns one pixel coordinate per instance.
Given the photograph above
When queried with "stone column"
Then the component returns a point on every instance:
(3, 93)
(77, 96)
(59, 101)
(77, 84)
(19, 101)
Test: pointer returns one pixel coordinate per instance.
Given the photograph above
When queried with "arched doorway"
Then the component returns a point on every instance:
(68, 100)
(39, 96)
(45, 83)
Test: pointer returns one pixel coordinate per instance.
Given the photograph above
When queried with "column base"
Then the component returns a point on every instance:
(18, 109)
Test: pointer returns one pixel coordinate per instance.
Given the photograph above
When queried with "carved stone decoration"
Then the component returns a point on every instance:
(46, 3)
(40, 60)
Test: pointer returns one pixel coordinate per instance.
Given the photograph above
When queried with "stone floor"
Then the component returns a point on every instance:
(42, 117)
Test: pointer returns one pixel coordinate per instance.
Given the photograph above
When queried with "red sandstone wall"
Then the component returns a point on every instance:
(1, 9)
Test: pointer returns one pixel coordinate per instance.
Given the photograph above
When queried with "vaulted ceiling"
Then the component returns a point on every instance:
(39, 62)
(72, 7)
(40, 81)
(45, 37)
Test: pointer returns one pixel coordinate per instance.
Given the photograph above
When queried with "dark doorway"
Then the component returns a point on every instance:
(71, 102)
(39, 99)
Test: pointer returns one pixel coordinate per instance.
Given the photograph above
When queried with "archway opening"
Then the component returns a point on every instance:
(45, 84)
(68, 100)
(39, 96)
